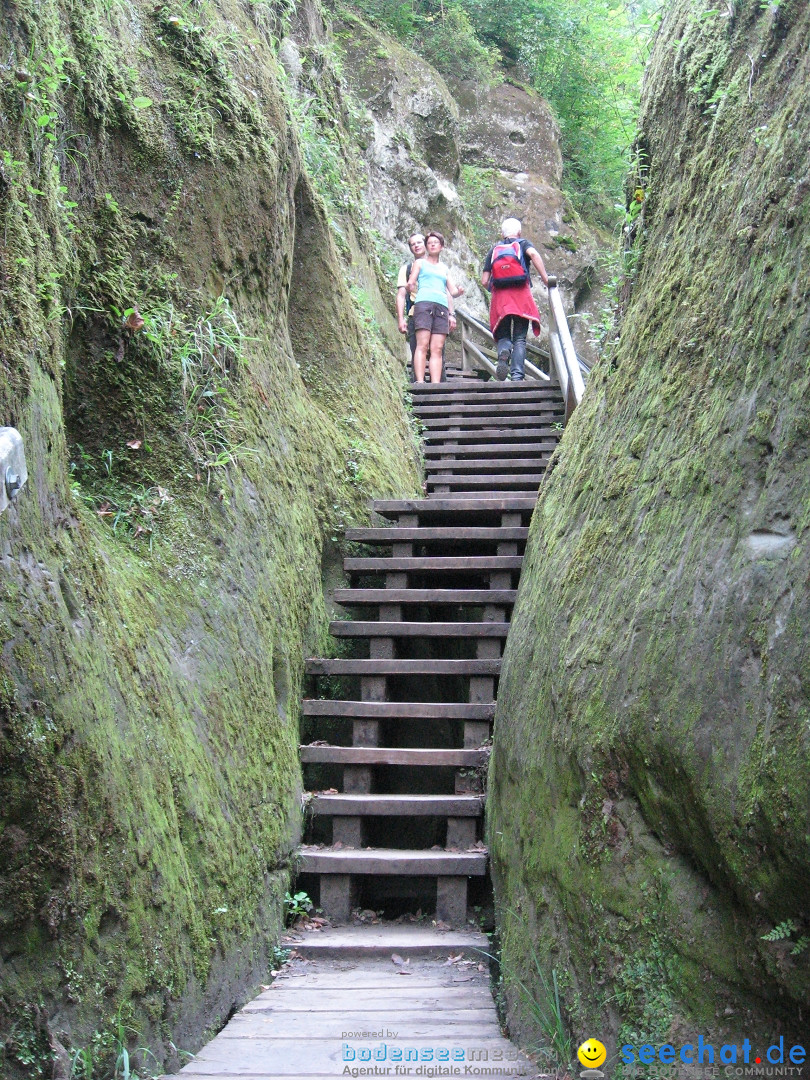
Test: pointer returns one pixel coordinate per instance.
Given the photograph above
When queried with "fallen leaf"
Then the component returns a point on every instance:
(397, 959)
(136, 444)
(134, 321)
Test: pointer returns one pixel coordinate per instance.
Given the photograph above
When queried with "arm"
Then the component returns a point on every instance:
(485, 279)
(453, 289)
(537, 263)
(402, 292)
(451, 308)
(417, 266)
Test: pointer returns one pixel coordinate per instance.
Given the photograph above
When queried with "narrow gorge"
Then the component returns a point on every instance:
(204, 207)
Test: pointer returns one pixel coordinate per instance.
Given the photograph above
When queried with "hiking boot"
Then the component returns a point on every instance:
(502, 369)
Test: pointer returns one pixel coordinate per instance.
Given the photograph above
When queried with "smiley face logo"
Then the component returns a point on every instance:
(592, 1054)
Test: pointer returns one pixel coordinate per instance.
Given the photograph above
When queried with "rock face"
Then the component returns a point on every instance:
(508, 127)
(649, 788)
(181, 341)
(412, 141)
(511, 141)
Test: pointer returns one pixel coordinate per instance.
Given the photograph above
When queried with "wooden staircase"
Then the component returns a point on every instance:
(406, 822)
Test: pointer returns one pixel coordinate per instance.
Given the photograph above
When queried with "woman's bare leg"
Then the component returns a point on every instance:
(436, 346)
(420, 356)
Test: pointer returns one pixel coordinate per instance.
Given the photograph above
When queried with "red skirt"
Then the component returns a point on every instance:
(514, 300)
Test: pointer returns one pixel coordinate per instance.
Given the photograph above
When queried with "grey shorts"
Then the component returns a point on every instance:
(432, 317)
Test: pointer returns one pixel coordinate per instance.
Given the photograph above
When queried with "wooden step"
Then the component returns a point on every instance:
(350, 628)
(529, 433)
(506, 395)
(391, 755)
(482, 386)
(323, 666)
(444, 424)
(436, 564)
(490, 389)
(398, 710)
(493, 391)
(464, 493)
(414, 941)
(397, 805)
(474, 506)
(487, 482)
(466, 412)
(398, 534)
(499, 597)
(393, 861)
(490, 451)
(484, 465)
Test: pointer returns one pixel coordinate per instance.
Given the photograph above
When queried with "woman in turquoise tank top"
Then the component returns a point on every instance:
(432, 318)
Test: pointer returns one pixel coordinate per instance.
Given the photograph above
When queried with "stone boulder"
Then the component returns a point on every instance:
(511, 131)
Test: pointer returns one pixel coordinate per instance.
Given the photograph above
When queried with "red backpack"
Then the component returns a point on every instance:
(508, 267)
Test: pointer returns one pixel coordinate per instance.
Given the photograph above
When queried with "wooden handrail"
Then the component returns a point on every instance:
(563, 353)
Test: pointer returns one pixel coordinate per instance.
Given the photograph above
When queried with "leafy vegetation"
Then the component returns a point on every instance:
(296, 905)
(585, 57)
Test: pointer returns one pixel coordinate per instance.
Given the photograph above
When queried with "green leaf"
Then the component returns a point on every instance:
(142, 102)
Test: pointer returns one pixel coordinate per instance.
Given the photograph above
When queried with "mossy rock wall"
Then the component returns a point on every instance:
(161, 571)
(649, 801)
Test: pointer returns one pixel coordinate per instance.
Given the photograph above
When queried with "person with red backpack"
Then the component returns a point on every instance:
(512, 307)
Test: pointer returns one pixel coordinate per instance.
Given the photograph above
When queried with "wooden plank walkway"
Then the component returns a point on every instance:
(401, 1001)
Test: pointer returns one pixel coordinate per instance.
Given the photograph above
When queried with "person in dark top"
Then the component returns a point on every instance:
(507, 274)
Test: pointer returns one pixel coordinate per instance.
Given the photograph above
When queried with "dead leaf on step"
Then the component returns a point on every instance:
(396, 959)
(453, 959)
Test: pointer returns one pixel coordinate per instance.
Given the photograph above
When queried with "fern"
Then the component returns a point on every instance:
(781, 931)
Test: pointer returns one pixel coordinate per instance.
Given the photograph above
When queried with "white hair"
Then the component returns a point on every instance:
(510, 227)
